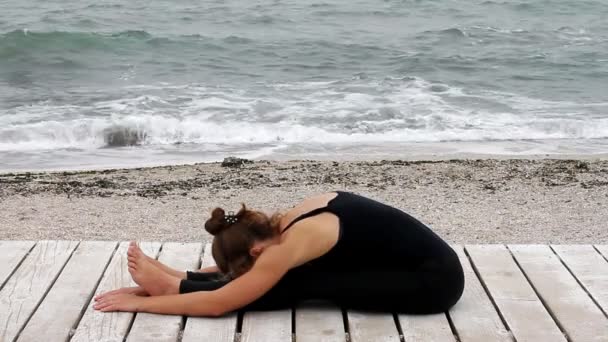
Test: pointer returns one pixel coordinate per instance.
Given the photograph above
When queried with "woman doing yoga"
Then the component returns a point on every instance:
(339, 246)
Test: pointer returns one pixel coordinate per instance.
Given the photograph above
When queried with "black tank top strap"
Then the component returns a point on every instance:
(306, 215)
(327, 208)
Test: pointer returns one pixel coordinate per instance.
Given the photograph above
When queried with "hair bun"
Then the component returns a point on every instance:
(217, 222)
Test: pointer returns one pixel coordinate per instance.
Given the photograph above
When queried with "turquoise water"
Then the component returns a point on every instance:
(195, 81)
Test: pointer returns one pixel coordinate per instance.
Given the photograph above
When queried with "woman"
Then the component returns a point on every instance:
(339, 246)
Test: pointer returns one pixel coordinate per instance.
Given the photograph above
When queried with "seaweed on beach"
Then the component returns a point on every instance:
(487, 174)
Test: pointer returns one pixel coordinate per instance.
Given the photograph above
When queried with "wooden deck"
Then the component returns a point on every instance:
(513, 293)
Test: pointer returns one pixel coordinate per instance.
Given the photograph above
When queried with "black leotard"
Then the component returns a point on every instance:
(375, 235)
(384, 260)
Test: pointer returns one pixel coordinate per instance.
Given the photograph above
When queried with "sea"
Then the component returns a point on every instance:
(106, 83)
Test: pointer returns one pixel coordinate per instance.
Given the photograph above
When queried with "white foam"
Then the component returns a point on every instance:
(353, 111)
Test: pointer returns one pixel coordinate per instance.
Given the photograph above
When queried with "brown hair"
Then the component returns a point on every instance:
(232, 239)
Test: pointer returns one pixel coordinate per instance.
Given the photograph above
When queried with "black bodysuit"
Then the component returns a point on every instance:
(384, 260)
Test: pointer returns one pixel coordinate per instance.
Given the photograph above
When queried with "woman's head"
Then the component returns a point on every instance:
(234, 237)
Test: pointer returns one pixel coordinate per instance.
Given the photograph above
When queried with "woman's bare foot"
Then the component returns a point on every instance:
(151, 278)
(138, 249)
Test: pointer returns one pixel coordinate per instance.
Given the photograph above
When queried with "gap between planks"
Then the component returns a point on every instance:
(455, 326)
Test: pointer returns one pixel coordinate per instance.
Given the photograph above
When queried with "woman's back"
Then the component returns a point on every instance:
(374, 235)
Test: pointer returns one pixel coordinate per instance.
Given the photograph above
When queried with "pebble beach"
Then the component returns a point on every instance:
(463, 200)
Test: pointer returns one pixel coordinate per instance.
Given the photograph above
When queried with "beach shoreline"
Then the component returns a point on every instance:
(502, 199)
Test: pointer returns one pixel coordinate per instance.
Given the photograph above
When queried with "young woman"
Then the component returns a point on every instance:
(339, 246)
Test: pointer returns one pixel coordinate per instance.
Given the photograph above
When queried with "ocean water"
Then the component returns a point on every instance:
(113, 83)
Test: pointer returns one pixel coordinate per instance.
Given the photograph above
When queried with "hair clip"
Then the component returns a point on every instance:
(230, 218)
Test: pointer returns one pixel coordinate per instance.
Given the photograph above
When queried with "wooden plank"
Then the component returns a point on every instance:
(603, 250)
(29, 284)
(111, 326)
(151, 327)
(62, 306)
(520, 306)
(11, 254)
(220, 329)
(589, 267)
(267, 326)
(319, 322)
(576, 313)
(431, 328)
(372, 327)
(474, 316)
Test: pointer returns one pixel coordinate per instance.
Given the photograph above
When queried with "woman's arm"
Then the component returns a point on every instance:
(267, 271)
(301, 246)
(234, 295)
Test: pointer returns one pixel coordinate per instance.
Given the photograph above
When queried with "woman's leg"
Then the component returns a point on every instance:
(424, 291)
(167, 269)
(134, 248)
(202, 281)
(204, 276)
(280, 296)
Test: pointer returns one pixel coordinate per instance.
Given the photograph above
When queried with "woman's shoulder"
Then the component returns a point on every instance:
(311, 238)
(308, 204)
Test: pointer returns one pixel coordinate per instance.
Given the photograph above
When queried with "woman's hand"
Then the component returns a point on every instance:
(137, 290)
(119, 302)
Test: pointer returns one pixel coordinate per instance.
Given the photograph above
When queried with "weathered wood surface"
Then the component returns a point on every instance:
(11, 255)
(372, 327)
(221, 329)
(319, 322)
(111, 326)
(474, 316)
(62, 307)
(428, 328)
(539, 291)
(521, 308)
(603, 249)
(267, 326)
(166, 328)
(576, 313)
(589, 267)
(26, 288)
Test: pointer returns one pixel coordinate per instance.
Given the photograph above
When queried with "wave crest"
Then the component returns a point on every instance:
(407, 109)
